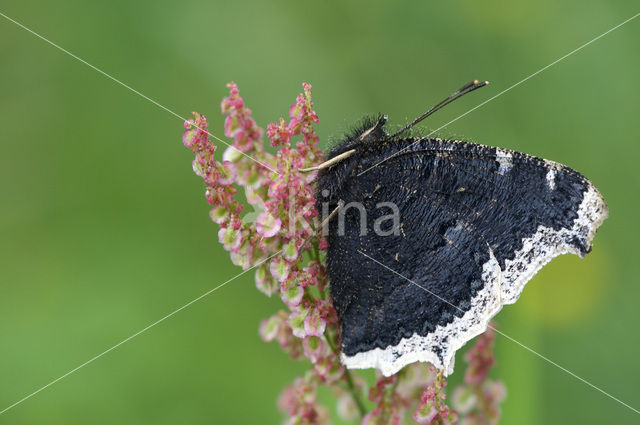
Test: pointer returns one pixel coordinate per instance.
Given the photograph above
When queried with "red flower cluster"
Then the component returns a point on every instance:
(432, 409)
(272, 239)
(479, 400)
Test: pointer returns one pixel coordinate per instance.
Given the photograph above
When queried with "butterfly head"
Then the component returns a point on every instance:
(372, 133)
(344, 157)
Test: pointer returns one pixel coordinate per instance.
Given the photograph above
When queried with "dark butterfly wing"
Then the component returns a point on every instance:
(475, 224)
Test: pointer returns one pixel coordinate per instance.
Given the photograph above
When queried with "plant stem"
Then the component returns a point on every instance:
(350, 384)
(354, 394)
(395, 384)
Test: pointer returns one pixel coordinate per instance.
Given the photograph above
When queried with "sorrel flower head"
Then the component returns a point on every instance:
(479, 400)
(432, 409)
(278, 240)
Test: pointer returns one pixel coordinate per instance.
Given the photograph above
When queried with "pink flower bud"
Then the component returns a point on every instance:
(346, 408)
(425, 414)
(269, 328)
(230, 238)
(188, 138)
(296, 321)
(254, 197)
(232, 154)
(231, 126)
(292, 296)
(219, 215)
(280, 269)
(264, 281)
(463, 399)
(226, 173)
(314, 324)
(240, 259)
(329, 369)
(313, 347)
(268, 225)
(290, 250)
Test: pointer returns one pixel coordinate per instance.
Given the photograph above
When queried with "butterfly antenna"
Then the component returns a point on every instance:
(467, 88)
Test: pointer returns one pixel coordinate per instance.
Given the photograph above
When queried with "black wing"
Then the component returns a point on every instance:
(475, 224)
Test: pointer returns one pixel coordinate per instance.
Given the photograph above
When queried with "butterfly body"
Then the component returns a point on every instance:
(452, 231)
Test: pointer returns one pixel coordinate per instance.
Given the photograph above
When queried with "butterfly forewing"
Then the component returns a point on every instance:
(475, 223)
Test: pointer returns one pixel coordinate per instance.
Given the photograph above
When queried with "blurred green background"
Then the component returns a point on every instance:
(104, 228)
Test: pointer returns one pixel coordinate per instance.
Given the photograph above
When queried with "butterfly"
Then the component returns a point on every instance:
(428, 238)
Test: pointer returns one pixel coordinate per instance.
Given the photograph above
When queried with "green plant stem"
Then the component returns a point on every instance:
(350, 384)
(482, 401)
(354, 394)
(395, 384)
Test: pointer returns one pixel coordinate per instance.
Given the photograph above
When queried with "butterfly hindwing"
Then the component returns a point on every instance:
(475, 224)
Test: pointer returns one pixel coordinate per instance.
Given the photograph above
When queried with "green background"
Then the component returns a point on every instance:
(104, 228)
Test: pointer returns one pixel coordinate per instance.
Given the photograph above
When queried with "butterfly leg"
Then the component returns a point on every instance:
(328, 163)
